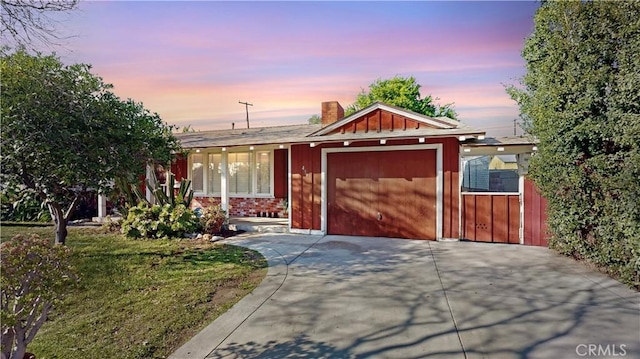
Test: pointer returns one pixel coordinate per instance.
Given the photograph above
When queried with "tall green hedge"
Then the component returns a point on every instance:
(580, 98)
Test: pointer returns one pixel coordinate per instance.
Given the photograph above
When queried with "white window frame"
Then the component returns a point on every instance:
(253, 168)
(462, 172)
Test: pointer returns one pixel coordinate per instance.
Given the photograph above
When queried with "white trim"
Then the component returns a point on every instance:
(289, 185)
(414, 116)
(460, 201)
(439, 177)
(521, 190)
(467, 193)
(224, 182)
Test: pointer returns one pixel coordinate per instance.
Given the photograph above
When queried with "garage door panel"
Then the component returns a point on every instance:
(387, 193)
(350, 195)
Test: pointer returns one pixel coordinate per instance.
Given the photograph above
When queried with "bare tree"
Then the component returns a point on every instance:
(28, 22)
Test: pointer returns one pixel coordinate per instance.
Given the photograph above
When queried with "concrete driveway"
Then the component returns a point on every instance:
(358, 297)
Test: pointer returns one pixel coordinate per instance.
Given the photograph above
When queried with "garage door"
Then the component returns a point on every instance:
(382, 194)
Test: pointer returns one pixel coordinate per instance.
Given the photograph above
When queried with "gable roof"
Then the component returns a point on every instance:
(389, 121)
(434, 122)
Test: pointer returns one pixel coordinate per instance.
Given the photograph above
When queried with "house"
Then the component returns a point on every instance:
(383, 171)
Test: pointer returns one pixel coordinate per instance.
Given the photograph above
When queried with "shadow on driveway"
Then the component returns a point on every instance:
(355, 297)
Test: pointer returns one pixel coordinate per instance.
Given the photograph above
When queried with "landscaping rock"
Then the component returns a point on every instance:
(216, 238)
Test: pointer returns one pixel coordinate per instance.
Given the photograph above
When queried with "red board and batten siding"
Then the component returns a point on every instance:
(306, 186)
(491, 218)
(535, 216)
(179, 168)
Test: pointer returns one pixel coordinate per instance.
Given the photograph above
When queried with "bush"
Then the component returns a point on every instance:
(213, 219)
(22, 206)
(155, 221)
(34, 275)
(580, 101)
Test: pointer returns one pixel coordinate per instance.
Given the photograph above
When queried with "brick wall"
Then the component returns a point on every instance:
(244, 207)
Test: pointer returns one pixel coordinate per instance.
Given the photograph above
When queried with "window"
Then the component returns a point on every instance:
(215, 173)
(240, 172)
(490, 173)
(248, 173)
(196, 172)
(263, 172)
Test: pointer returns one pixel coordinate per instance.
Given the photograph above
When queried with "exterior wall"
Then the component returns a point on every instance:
(306, 184)
(535, 216)
(280, 173)
(179, 168)
(306, 187)
(244, 207)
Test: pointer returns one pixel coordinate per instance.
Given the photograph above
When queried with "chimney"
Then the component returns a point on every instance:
(331, 112)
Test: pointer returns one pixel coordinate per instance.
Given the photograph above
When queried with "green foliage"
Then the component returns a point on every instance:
(580, 99)
(34, 276)
(315, 120)
(64, 131)
(183, 196)
(22, 206)
(213, 219)
(141, 299)
(401, 92)
(156, 221)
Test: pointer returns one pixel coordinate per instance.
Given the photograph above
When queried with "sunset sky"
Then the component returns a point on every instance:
(191, 62)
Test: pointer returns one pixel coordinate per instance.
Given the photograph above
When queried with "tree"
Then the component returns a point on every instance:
(580, 100)
(64, 132)
(315, 120)
(29, 21)
(34, 276)
(402, 92)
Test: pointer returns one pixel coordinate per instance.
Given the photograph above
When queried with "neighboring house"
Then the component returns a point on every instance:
(383, 171)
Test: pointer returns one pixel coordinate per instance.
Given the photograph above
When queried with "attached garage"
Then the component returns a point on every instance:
(382, 192)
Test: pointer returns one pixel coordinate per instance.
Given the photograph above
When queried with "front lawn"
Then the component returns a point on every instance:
(141, 298)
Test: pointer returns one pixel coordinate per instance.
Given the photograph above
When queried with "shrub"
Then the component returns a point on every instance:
(213, 219)
(34, 275)
(22, 206)
(155, 221)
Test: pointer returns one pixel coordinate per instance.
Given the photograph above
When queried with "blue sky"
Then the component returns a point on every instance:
(192, 61)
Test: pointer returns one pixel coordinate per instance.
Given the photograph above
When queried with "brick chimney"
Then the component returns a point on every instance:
(331, 112)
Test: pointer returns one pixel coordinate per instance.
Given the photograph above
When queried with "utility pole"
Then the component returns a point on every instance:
(514, 126)
(246, 106)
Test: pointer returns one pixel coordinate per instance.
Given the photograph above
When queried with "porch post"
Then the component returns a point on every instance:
(224, 183)
(102, 206)
(148, 194)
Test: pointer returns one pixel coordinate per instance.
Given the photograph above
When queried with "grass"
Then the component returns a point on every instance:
(141, 298)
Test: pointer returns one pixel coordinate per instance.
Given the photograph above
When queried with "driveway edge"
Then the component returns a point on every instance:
(209, 338)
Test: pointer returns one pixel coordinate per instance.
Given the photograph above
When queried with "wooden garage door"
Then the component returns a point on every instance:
(382, 194)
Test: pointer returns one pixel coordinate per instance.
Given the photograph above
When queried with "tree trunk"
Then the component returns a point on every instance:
(59, 221)
(60, 218)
